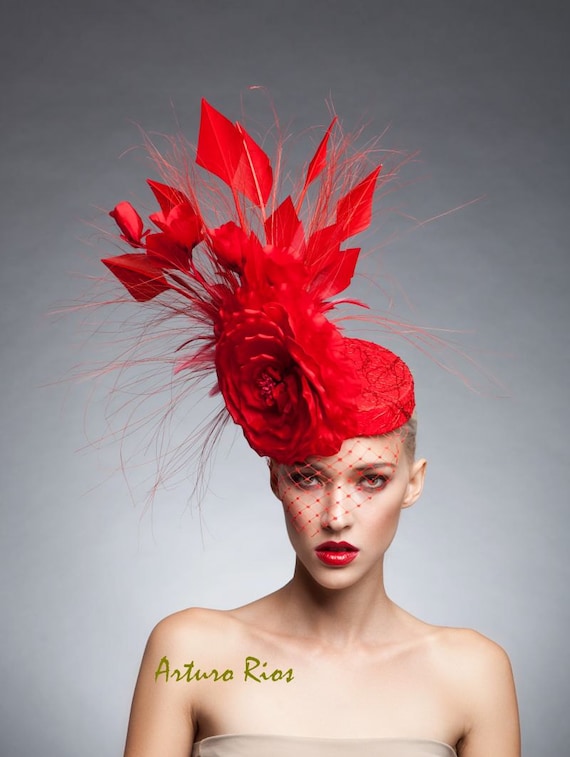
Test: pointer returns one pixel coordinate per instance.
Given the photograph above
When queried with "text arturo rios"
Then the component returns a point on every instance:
(191, 673)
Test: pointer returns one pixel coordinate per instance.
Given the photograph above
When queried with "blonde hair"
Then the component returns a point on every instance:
(408, 434)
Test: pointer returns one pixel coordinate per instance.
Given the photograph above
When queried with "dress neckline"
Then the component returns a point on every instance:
(326, 740)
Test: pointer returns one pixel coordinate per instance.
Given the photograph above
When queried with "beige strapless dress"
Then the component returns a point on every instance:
(260, 745)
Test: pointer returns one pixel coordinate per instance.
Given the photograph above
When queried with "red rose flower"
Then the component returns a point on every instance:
(129, 222)
(283, 386)
(182, 224)
(231, 245)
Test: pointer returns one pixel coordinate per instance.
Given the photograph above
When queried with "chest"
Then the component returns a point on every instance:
(341, 695)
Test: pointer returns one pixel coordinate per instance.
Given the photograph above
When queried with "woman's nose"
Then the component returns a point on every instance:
(337, 507)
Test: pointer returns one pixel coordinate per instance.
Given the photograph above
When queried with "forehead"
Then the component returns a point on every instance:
(361, 451)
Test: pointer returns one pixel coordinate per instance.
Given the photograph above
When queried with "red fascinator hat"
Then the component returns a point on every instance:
(259, 288)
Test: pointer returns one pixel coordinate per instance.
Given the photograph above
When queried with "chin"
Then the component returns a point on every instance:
(334, 579)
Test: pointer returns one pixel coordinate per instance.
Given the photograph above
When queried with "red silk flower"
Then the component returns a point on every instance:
(281, 384)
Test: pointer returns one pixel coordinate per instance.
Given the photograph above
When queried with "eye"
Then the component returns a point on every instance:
(373, 481)
(305, 479)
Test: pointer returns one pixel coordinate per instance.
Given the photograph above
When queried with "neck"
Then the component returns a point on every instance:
(338, 616)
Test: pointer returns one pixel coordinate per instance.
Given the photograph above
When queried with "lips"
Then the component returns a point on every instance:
(336, 553)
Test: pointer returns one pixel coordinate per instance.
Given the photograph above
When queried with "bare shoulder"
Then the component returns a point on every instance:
(190, 626)
(164, 715)
(471, 661)
(471, 650)
(461, 655)
(198, 624)
(480, 676)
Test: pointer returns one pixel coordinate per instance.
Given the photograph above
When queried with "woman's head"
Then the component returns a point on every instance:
(350, 501)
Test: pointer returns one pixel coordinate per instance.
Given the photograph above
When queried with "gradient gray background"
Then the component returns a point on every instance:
(481, 89)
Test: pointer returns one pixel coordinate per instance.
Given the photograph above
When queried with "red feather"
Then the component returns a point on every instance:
(322, 246)
(167, 197)
(254, 177)
(220, 145)
(316, 165)
(142, 278)
(319, 160)
(336, 276)
(167, 254)
(354, 210)
(227, 150)
(283, 228)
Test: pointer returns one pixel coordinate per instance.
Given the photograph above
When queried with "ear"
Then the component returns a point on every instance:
(415, 485)
(274, 477)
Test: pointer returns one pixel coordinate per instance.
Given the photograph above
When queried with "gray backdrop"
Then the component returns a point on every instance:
(481, 89)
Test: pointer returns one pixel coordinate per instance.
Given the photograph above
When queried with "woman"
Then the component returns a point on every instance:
(328, 664)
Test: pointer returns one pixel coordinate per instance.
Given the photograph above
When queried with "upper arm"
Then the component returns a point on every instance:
(161, 720)
(492, 722)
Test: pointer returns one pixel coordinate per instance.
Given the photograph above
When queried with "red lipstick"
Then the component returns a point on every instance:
(336, 553)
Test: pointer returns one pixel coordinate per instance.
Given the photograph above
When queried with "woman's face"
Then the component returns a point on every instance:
(342, 511)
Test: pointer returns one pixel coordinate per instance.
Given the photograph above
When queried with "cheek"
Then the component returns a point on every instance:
(381, 519)
(302, 511)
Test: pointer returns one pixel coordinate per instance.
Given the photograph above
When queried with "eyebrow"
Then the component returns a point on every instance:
(373, 466)
(322, 468)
